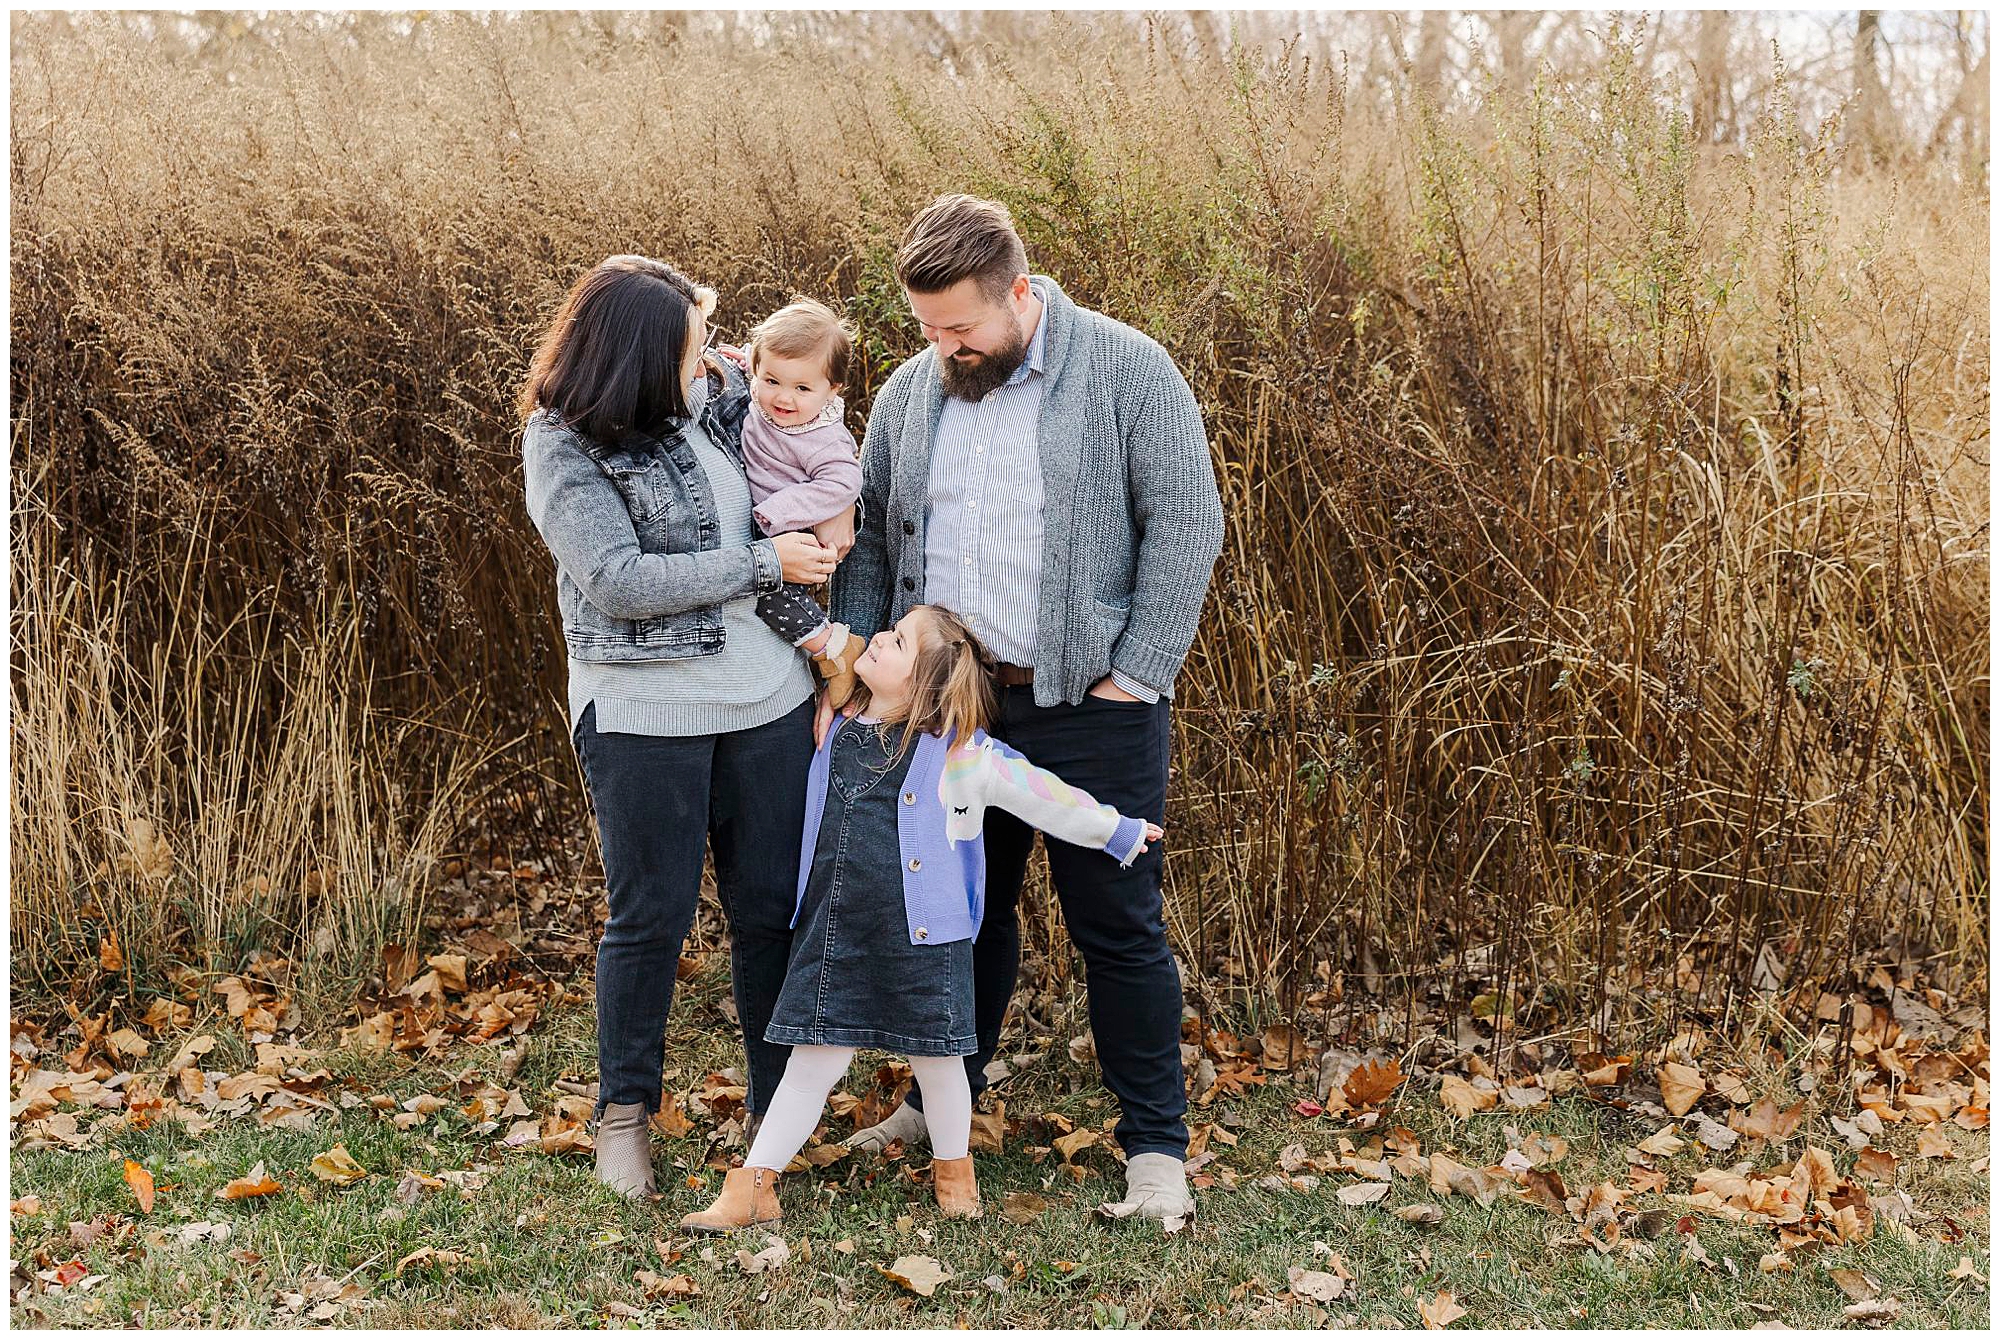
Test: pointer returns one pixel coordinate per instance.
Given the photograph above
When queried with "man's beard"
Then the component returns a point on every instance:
(972, 382)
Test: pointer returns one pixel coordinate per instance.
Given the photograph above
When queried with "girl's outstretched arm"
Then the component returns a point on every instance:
(1038, 797)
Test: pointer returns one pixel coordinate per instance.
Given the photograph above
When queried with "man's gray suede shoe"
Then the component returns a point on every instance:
(1155, 1188)
(906, 1123)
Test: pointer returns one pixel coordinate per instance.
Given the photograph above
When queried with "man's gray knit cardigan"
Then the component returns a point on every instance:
(1132, 520)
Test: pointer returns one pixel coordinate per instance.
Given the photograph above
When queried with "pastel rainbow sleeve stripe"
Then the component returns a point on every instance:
(960, 765)
(1024, 776)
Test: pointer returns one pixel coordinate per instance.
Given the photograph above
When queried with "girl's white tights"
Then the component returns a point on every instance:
(810, 1076)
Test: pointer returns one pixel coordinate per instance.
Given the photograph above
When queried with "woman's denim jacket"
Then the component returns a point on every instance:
(633, 527)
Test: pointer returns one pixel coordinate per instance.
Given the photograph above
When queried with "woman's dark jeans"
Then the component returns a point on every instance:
(661, 800)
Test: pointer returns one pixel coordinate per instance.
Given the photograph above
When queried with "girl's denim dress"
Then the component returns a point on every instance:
(855, 980)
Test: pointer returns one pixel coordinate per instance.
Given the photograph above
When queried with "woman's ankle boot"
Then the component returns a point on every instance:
(749, 1199)
(957, 1187)
(625, 1150)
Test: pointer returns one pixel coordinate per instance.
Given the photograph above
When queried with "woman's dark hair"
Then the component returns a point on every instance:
(610, 363)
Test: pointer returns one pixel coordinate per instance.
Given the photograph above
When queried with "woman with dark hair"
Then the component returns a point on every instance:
(692, 719)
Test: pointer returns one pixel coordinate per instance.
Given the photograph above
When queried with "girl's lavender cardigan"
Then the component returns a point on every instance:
(940, 821)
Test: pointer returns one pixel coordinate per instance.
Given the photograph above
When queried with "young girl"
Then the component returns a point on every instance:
(801, 464)
(892, 883)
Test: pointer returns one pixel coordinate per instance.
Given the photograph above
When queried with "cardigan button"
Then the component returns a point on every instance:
(922, 933)
(915, 864)
(909, 528)
(909, 583)
(909, 797)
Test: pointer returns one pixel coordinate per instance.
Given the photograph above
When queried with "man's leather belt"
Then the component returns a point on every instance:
(1013, 676)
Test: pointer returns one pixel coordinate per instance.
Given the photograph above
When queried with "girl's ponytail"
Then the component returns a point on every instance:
(967, 701)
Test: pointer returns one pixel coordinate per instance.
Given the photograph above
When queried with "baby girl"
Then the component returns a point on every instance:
(802, 464)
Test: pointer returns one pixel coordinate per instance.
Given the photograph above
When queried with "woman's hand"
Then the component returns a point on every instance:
(823, 718)
(803, 558)
(1153, 834)
(837, 533)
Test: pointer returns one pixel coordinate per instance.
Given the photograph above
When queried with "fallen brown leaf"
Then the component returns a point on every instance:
(1463, 1098)
(434, 1256)
(1283, 1048)
(1663, 1143)
(1874, 1312)
(1681, 1087)
(1646, 1180)
(989, 1129)
(1600, 1071)
(1372, 1082)
(256, 1182)
(1814, 1171)
(1439, 1312)
(450, 969)
(150, 856)
(1069, 1146)
(918, 1274)
(773, 1257)
(1021, 1207)
(337, 1166)
(670, 1119)
(191, 1051)
(1448, 1176)
(165, 1014)
(1544, 1187)
(1317, 1285)
(1767, 1121)
(665, 1286)
(1362, 1193)
(141, 1183)
(1931, 1144)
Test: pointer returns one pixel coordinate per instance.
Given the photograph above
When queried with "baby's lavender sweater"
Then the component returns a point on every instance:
(800, 476)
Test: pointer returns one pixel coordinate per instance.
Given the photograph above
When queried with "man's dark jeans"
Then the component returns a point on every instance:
(1117, 751)
(660, 801)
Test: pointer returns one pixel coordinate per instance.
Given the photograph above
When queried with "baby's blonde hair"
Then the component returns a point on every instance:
(951, 682)
(803, 328)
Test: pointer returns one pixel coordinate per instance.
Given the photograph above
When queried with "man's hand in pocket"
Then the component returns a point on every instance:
(1107, 687)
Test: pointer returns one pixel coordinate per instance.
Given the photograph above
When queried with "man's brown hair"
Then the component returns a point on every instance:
(803, 328)
(962, 237)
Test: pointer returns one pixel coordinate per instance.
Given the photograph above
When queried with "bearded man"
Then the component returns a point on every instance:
(1042, 470)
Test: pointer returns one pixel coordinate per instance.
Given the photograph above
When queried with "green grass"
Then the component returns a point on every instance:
(545, 1245)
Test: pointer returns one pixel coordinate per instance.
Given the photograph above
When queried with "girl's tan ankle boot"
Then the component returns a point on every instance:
(749, 1199)
(957, 1187)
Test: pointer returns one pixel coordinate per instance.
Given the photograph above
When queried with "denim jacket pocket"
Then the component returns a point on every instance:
(643, 485)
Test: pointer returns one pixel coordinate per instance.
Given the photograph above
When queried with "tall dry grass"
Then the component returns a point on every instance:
(1602, 630)
(178, 803)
